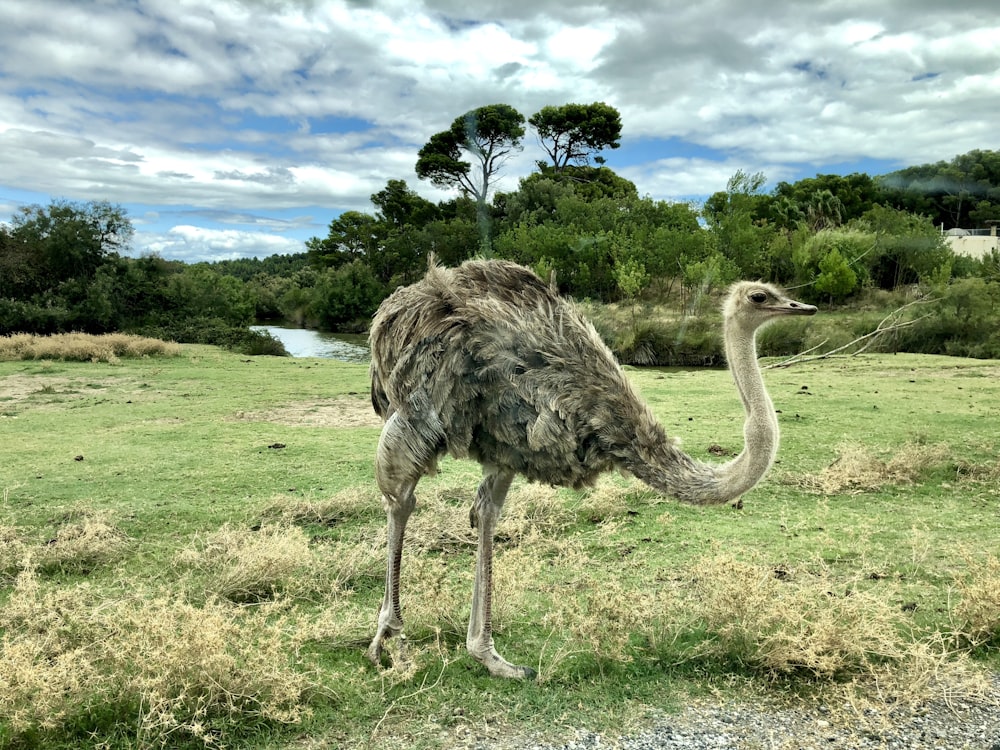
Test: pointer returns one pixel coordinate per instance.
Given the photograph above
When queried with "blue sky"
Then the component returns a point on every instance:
(232, 129)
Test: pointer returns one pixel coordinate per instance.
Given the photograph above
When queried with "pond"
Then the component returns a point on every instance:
(305, 342)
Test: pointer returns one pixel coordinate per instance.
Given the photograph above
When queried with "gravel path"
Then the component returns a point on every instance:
(959, 724)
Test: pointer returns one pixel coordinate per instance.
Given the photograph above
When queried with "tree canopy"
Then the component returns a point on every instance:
(964, 192)
(571, 133)
(488, 135)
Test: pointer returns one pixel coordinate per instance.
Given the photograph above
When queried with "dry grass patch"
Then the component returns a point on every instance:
(260, 564)
(85, 541)
(347, 505)
(250, 566)
(977, 614)
(857, 469)
(84, 347)
(162, 668)
(787, 624)
(441, 522)
(12, 552)
(793, 622)
(604, 620)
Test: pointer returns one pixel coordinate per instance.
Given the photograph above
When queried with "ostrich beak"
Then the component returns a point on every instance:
(791, 307)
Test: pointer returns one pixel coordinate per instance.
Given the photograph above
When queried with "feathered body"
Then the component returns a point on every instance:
(491, 364)
(485, 361)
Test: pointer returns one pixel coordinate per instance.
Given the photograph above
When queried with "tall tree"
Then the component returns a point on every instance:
(740, 235)
(488, 135)
(570, 134)
(352, 235)
(399, 206)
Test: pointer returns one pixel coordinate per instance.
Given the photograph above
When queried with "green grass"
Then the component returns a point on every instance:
(265, 563)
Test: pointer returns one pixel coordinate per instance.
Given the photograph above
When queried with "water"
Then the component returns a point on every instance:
(303, 342)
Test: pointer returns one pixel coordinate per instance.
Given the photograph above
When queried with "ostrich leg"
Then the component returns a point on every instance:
(390, 619)
(399, 464)
(485, 513)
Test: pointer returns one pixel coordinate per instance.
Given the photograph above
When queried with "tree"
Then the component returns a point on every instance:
(741, 235)
(48, 246)
(907, 248)
(352, 235)
(488, 134)
(826, 200)
(964, 192)
(836, 277)
(572, 132)
(398, 206)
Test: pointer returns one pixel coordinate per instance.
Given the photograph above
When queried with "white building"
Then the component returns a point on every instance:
(975, 243)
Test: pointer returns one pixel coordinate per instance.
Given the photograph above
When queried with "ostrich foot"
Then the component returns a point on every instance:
(399, 655)
(497, 666)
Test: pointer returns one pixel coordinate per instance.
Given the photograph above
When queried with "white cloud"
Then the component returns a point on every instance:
(234, 105)
(191, 244)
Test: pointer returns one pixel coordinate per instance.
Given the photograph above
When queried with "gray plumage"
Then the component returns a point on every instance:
(485, 361)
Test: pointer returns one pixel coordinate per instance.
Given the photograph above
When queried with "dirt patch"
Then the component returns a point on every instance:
(339, 412)
(18, 392)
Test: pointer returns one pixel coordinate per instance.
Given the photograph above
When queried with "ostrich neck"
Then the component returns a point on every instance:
(760, 430)
(669, 470)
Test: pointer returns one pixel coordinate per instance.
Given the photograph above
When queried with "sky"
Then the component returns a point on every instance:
(241, 128)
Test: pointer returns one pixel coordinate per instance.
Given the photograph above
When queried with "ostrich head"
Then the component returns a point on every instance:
(752, 304)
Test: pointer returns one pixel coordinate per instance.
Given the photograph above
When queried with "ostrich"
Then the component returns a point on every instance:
(485, 361)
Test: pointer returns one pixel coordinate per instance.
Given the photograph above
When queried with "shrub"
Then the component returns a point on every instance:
(80, 545)
(218, 332)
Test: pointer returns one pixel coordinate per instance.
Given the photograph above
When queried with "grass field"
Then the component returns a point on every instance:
(191, 554)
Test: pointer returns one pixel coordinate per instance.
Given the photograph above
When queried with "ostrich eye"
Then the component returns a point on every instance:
(758, 297)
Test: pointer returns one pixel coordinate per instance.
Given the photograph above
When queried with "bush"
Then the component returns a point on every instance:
(257, 343)
(217, 332)
(978, 611)
(84, 347)
(692, 342)
(782, 624)
(965, 322)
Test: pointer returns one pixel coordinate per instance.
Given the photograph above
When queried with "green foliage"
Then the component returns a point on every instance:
(572, 132)
(344, 295)
(737, 229)
(487, 134)
(714, 271)
(630, 277)
(62, 243)
(399, 206)
(964, 192)
(836, 278)
(963, 322)
(832, 260)
(688, 342)
(823, 201)
(352, 235)
(908, 248)
(59, 268)
(584, 230)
